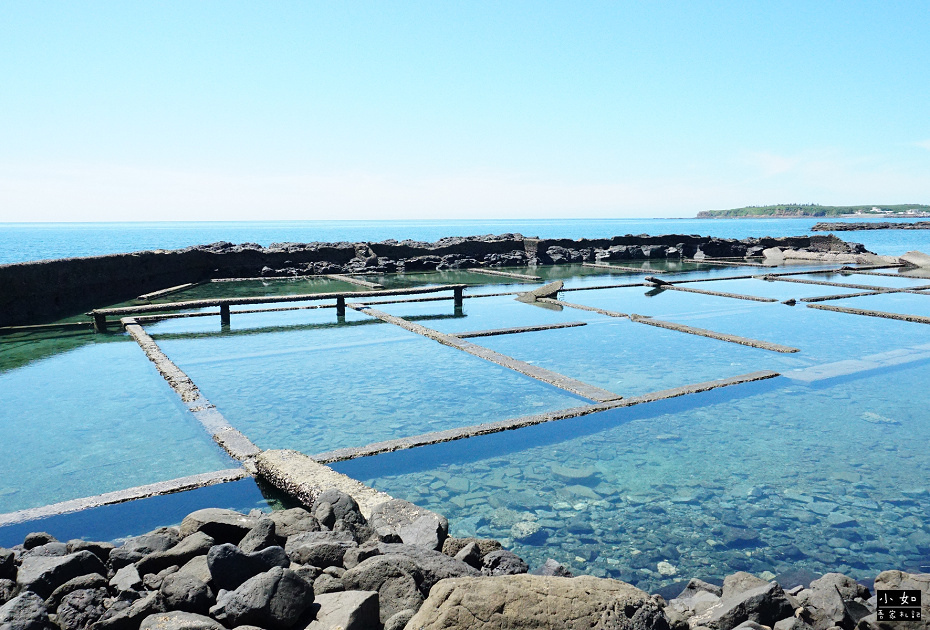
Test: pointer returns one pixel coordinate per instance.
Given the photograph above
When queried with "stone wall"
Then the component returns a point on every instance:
(37, 292)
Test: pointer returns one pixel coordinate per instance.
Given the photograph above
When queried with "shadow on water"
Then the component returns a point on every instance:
(22, 348)
(244, 332)
(506, 442)
(112, 522)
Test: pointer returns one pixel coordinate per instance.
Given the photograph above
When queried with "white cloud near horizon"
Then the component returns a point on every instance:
(112, 193)
(120, 193)
(924, 144)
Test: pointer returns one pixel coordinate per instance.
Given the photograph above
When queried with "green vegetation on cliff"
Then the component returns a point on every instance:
(815, 210)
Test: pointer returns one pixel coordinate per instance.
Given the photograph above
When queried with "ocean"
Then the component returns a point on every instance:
(21, 242)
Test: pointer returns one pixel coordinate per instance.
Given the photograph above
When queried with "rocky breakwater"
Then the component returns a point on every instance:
(319, 569)
(329, 567)
(40, 291)
(877, 225)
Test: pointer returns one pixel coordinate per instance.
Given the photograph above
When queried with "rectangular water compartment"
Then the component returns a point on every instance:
(19, 349)
(822, 336)
(631, 358)
(660, 303)
(485, 313)
(903, 303)
(318, 390)
(890, 282)
(271, 319)
(771, 289)
(479, 282)
(259, 288)
(92, 419)
(111, 523)
(758, 477)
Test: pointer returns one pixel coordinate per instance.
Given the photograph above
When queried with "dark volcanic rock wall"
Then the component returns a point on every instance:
(40, 291)
(885, 225)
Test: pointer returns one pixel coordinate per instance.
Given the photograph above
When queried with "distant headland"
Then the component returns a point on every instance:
(793, 210)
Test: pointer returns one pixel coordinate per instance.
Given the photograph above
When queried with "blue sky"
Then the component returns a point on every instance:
(233, 110)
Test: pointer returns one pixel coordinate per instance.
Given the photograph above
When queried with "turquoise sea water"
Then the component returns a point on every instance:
(20, 242)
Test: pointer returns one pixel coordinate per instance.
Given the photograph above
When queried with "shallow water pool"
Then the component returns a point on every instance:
(321, 389)
(94, 419)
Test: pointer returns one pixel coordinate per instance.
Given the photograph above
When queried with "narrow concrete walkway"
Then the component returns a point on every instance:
(233, 442)
(702, 332)
(449, 435)
(121, 496)
(541, 374)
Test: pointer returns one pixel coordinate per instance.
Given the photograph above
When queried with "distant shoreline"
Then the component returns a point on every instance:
(796, 211)
(922, 215)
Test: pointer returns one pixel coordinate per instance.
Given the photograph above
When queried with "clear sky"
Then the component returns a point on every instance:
(330, 110)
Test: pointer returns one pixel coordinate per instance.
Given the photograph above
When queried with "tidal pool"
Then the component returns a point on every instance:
(822, 469)
(630, 358)
(94, 419)
(348, 386)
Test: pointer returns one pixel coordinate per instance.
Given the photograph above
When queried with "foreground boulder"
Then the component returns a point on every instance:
(79, 609)
(25, 612)
(275, 600)
(130, 617)
(900, 580)
(412, 524)
(395, 578)
(352, 610)
(43, 574)
(230, 566)
(745, 598)
(137, 547)
(189, 548)
(179, 621)
(834, 600)
(528, 601)
(223, 526)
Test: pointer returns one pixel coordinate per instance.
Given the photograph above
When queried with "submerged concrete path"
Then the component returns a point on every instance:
(233, 442)
(449, 435)
(848, 367)
(515, 330)
(918, 319)
(691, 330)
(121, 496)
(533, 371)
(505, 274)
(702, 332)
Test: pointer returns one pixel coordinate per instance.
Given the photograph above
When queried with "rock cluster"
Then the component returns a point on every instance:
(329, 567)
(511, 250)
(831, 602)
(326, 567)
(843, 226)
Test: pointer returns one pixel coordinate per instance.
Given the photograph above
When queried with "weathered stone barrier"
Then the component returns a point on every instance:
(877, 225)
(36, 292)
